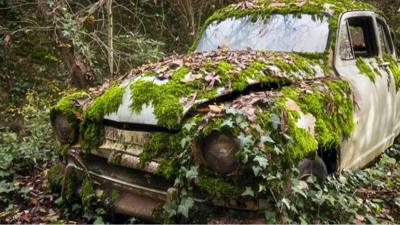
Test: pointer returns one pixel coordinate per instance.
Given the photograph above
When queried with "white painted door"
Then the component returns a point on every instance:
(357, 61)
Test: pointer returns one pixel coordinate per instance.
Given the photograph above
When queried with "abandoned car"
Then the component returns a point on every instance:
(267, 87)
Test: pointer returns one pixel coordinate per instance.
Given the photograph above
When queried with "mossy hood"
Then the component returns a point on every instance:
(163, 93)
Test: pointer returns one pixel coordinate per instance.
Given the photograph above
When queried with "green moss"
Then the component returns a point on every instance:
(302, 143)
(92, 128)
(87, 192)
(169, 167)
(55, 176)
(68, 107)
(93, 135)
(70, 184)
(332, 106)
(164, 98)
(107, 103)
(157, 144)
(217, 188)
(394, 69)
(366, 69)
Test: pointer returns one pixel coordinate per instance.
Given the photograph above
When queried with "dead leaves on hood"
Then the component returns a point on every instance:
(195, 62)
(248, 104)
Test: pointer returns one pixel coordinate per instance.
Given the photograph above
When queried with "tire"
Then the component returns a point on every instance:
(316, 167)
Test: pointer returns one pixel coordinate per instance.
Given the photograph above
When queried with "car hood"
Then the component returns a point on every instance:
(162, 93)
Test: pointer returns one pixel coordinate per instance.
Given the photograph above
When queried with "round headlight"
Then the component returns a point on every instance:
(219, 151)
(62, 128)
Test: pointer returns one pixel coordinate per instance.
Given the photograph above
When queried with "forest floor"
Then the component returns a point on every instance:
(37, 204)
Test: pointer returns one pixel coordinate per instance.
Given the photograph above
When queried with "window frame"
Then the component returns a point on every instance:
(387, 31)
(344, 17)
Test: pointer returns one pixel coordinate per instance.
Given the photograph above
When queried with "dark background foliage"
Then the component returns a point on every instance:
(50, 47)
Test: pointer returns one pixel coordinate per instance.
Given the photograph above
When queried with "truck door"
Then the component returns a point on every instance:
(389, 56)
(357, 61)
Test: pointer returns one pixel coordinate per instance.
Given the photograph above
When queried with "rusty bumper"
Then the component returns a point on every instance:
(139, 192)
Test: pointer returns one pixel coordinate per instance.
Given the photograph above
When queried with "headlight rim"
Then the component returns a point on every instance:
(235, 163)
(73, 124)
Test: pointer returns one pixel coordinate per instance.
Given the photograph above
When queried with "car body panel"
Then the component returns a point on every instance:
(376, 107)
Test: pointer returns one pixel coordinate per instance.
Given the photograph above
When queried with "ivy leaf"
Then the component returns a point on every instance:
(371, 219)
(266, 138)
(262, 161)
(277, 150)
(262, 188)
(248, 192)
(192, 173)
(231, 110)
(189, 126)
(227, 123)
(170, 209)
(184, 142)
(185, 206)
(276, 121)
(286, 202)
(244, 125)
(245, 140)
(239, 119)
(99, 220)
(256, 170)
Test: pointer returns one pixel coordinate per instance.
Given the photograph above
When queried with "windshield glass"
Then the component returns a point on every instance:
(286, 33)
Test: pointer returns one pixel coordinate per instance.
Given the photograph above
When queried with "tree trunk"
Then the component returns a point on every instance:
(82, 76)
(110, 37)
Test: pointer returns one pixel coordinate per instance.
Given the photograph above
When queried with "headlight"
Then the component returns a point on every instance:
(219, 151)
(64, 131)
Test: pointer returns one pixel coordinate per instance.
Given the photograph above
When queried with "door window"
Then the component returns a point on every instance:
(384, 37)
(357, 38)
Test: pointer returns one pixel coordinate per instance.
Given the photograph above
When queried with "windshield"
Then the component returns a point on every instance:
(286, 33)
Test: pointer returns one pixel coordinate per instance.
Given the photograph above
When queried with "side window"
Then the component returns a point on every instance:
(358, 39)
(385, 43)
(345, 48)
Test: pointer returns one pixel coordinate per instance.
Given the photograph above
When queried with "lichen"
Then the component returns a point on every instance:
(366, 69)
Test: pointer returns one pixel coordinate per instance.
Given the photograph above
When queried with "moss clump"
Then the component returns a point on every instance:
(69, 108)
(164, 99)
(332, 106)
(366, 69)
(55, 176)
(217, 188)
(302, 143)
(87, 192)
(157, 144)
(394, 69)
(70, 183)
(107, 103)
(93, 135)
(92, 128)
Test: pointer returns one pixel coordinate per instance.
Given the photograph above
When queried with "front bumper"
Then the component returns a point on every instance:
(141, 192)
